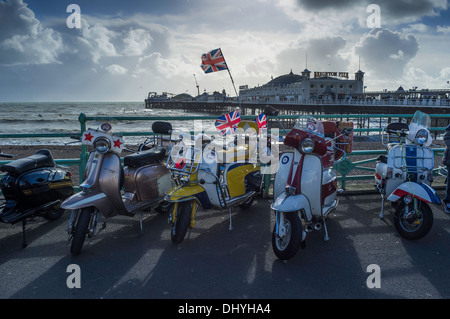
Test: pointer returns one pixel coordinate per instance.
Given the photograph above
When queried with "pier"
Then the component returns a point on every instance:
(366, 106)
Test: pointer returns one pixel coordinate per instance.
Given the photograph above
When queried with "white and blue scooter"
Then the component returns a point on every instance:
(405, 175)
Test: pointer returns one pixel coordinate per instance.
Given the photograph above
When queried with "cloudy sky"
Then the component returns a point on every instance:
(124, 49)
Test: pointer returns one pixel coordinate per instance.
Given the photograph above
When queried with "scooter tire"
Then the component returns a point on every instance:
(411, 233)
(287, 248)
(182, 222)
(80, 231)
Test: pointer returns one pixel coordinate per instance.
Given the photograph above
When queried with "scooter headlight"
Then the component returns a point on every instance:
(421, 136)
(307, 146)
(102, 144)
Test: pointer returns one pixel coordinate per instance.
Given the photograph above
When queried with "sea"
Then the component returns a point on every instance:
(62, 118)
(51, 118)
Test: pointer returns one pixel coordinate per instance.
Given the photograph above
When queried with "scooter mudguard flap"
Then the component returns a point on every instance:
(292, 203)
(417, 190)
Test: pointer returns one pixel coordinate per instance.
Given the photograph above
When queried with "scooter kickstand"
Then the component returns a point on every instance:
(24, 236)
(326, 237)
(382, 208)
(141, 228)
(229, 212)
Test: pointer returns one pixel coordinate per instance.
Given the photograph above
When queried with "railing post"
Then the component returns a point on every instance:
(82, 166)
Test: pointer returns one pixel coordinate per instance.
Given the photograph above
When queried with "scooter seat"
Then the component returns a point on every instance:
(151, 156)
(42, 158)
(382, 159)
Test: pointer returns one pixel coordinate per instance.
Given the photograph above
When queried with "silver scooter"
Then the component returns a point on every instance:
(110, 189)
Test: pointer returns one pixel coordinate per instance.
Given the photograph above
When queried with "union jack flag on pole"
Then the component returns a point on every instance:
(228, 123)
(213, 61)
(261, 120)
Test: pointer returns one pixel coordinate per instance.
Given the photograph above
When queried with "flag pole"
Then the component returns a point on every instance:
(232, 81)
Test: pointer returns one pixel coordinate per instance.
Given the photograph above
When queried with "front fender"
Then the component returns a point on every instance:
(292, 203)
(97, 200)
(420, 191)
(187, 193)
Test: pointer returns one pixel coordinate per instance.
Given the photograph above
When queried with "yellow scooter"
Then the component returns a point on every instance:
(212, 176)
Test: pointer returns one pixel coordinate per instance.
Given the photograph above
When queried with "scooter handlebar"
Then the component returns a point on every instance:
(397, 132)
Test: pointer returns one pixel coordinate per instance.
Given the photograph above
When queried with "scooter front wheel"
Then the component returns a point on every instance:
(80, 230)
(286, 246)
(412, 224)
(182, 222)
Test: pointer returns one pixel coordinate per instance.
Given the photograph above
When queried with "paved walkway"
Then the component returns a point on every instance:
(213, 262)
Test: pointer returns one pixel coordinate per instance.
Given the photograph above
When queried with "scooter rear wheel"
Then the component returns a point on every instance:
(182, 222)
(80, 231)
(413, 225)
(286, 247)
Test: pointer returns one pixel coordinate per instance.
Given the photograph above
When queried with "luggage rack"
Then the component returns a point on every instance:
(404, 158)
(187, 154)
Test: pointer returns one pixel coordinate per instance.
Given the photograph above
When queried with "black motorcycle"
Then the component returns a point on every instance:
(33, 186)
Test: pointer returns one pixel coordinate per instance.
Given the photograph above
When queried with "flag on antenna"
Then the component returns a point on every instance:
(228, 123)
(261, 120)
(213, 61)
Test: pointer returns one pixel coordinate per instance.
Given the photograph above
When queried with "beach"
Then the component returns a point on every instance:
(58, 152)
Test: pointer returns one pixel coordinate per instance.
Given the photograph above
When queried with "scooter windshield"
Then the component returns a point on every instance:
(310, 125)
(421, 119)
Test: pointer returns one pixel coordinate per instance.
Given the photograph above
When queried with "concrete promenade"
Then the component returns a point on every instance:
(215, 263)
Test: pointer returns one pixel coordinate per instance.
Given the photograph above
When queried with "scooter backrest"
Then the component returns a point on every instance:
(329, 128)
(162, 127)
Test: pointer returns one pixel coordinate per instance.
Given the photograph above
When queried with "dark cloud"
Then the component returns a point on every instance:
(385, 53)
(390, 9)
(323, 54)
(325, 4)
(407, 8)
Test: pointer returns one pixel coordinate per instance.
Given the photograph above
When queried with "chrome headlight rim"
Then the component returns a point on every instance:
(102, 144)
(307, 146)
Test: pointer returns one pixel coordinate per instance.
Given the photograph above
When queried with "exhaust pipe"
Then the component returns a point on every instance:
(318, 226)
(309, 228)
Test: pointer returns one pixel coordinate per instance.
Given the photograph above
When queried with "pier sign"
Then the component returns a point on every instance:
(325, 74)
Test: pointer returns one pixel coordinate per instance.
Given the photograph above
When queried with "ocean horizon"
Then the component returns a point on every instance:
(62, 118)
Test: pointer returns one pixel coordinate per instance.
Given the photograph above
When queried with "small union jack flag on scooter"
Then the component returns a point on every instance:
(261, 120)
(228, 123)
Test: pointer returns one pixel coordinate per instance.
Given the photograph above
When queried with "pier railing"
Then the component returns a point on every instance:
(348, 170)
(361, 102)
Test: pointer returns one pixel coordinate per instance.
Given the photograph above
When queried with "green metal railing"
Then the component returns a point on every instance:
(344, 169)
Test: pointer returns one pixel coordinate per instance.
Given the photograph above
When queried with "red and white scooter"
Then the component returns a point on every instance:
(305, 185)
